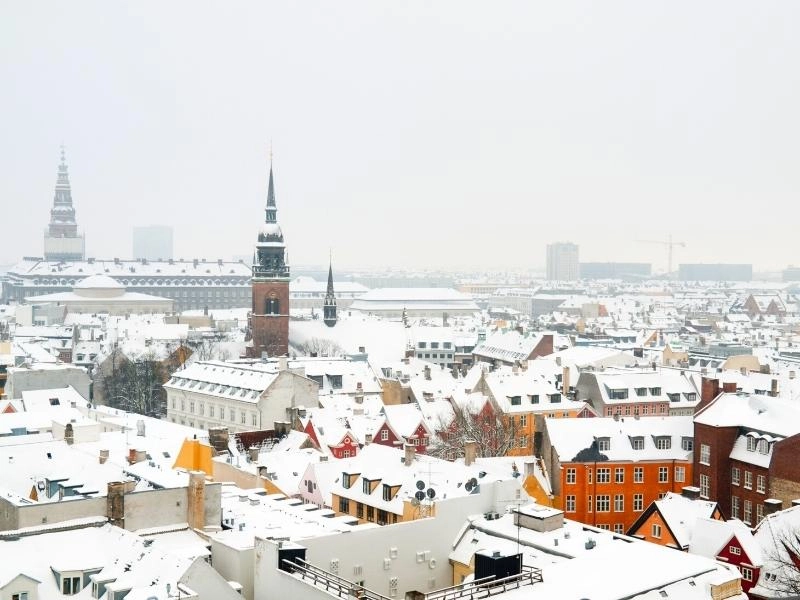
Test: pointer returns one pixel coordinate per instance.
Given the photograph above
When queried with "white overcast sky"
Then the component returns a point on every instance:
(408, 134)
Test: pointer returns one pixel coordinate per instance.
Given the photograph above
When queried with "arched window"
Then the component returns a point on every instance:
(273, 306)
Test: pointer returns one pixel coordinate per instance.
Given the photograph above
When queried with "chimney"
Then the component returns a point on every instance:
(691, 492)
(218, 439)
(565, 381)
(743, 371)
(252, 452)
(774, 389)
(283, 363)
(410, 453)
(427, 371)
(772, 505)
(115, 503)
(196, 506)
(103, 456)
(367, 439)
(470, 452)
(359, 395)
(792, 374)
(729, 387)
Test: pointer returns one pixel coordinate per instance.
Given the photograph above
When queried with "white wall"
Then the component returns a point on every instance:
(234, 564)
(369, 547)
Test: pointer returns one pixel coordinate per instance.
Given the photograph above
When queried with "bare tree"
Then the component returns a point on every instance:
(321, 347)
(494, 435)
(781, 570)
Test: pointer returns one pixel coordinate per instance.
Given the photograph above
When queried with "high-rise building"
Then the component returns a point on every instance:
(269, 313)
(61, 239)
(152, 243)
(562, 261)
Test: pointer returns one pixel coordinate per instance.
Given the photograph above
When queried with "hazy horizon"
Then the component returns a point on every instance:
(410, 135)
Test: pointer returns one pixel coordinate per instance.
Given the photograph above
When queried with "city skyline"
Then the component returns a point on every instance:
(530, 125)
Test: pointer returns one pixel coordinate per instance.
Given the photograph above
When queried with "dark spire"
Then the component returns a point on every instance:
(329, 308)
(272, 209)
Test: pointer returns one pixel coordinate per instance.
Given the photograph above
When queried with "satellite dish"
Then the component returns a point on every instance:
(420, 495)
(431, 493)
(420, 485)
(469, 486)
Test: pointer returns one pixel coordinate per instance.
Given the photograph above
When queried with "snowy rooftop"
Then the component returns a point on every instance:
(775, 416)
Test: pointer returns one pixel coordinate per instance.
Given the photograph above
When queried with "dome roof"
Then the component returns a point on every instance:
(103, 282)
(270, 230)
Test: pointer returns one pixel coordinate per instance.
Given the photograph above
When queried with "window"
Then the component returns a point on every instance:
(70, 585)
(347, 480)
(210, 410)
(446, 345)
(589, 504)
(759, 513)
(20, 596)
(535, 399)
(619, 528)
(173, 403)
(663, 442)
(655, 391)
(589, 476)
(383, 517)
(254, 420)
(637, 442)
(523, 420)
(619, 503)
(371, 514)
(515, 400)
(735, 507)
(705, 486)
(603, 445)
(344, 505)
(751, 443)
(763, 446)
(619, 394)
(387, 492)
(641, 391)
(523, 441)
(705, 454)
(359, 510)
(603, 475)
(656, 530)
(242, 417)
(663, 474)
(232, 414)
(603, 503)
(735, 472)
(384, 435)
(570, 475)
(422, 344)
(748, 512)
(761, 484)
(434, 345)
(674, 397)
(680, 474)
(365, 486)
(202, 408)
(748, 480)
(272, 307)
(747, 574)
(638, 474)
(638, 502)
(570, 504)
(619, 475)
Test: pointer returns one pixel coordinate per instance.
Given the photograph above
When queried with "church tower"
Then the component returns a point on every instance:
(61, 239)
(329, 308)
(269, 314)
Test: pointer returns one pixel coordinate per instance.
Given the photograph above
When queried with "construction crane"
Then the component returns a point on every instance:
(670, 245)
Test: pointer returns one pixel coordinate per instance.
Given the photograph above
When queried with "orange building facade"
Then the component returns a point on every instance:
(613, 495)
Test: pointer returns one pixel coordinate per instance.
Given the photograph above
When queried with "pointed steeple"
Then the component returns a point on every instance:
(272, 209)
(271, 257)
(62, 220)
(329, 308)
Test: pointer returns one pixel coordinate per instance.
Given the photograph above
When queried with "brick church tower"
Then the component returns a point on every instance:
(269, 313)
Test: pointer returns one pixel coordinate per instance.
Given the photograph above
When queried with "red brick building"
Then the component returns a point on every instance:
(745, 451)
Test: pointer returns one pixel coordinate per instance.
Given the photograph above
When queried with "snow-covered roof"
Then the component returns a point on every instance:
(775, 416)
(680, 514)
(570, 436)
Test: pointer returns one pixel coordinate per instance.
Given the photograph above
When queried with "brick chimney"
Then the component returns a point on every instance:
(410, 453)
(772, 505)
(196, 505)
(367, 439)
(470, 452)
(729, 387)
(565, 381)
(774, 388)
(691, 492)
(709, 389)
(103, 456)
(115, 503)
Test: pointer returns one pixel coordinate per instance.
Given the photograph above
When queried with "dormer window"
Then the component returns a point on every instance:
(763, 446)
(515, 400)
(752, 442)
(655, 391)
(621, 394)
(637, 443)
(641, 391)
(604, 444)
(663, 442)
(674, 397)
(534, 398)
